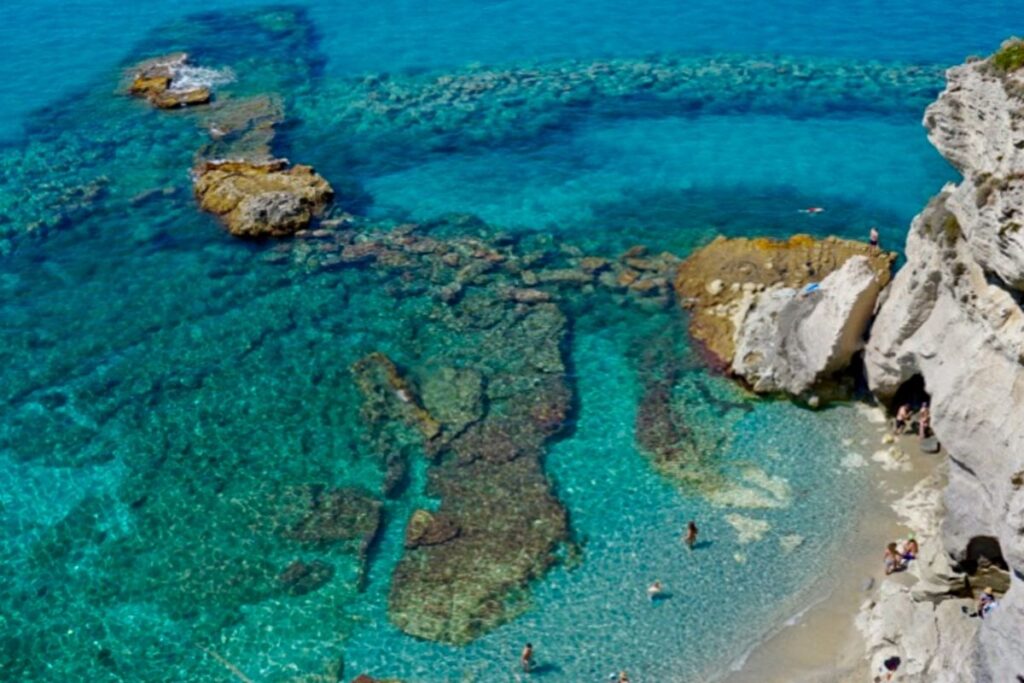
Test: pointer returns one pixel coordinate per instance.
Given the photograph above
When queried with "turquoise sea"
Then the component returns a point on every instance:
(173, 396)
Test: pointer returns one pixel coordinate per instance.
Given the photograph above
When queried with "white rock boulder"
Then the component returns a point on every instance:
(789, 340)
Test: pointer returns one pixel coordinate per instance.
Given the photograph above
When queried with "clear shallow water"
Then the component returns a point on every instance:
(165, 388)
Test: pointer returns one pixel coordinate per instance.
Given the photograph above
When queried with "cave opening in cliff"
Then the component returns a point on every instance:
(911, 392)
(983, 552)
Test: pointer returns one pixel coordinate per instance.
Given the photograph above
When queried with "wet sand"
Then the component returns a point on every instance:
(821, 643)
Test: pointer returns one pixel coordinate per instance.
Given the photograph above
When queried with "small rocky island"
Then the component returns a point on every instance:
(261, 199)
(782, 315)
(163, 83)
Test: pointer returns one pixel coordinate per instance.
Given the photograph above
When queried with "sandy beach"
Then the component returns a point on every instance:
(821, 643)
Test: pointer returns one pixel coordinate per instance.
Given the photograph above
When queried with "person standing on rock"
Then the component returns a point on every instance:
(924, 420)
(691, 535)
(873, 237)
(526, 658)
(902, 419)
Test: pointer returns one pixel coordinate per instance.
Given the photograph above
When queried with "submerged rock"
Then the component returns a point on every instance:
(390, 396)
(261, 199)
(466, 565)
(346, 515)
(300, 578)
(719, 283)
(426, 528)
(242, 128)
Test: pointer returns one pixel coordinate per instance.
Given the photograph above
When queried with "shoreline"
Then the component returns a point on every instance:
(821, 643)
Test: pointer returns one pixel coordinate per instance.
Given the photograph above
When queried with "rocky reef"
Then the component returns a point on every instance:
(425, 112)
(261, 199)
(482, 407)
(952, 318)
(750, 311)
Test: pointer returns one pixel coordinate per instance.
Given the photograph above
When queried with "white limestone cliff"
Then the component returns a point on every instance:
(953, 316)
(788, 341)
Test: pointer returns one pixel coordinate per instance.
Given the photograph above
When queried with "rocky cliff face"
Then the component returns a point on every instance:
(953, 317)
(790, 340)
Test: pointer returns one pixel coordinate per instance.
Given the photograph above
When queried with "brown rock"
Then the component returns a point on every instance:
(155, 80)
(267, 199)
(643, 264)
(635, 251)
(527, 296)
(715, 279)
(593, 264)
(388, 395)
(650, 285)
(173, 99)
(627, 277)
(426, 528)
(300, 578)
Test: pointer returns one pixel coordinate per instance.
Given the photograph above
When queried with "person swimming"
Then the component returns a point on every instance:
(526, 658)
(691, 534)
(811, 210)
(654, 591)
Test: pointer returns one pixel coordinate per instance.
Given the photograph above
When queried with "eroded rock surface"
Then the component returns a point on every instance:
(953, 316)
(790, 340)
(721, 283)
(498, 523)
(261, 199)
(170, 82)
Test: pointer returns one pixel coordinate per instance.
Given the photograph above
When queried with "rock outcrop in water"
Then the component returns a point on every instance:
(953, 317)
(165, 83)
(790, 340)
(261, 199)
(498, 522)
(750, 315)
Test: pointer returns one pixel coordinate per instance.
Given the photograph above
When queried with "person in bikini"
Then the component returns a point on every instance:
(902, 419)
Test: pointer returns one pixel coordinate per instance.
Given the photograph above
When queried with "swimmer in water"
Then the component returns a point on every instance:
(691, 535)
(526, 658)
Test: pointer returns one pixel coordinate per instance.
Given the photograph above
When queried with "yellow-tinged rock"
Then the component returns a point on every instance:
(154, 79)
(718, 280)
(261, 199)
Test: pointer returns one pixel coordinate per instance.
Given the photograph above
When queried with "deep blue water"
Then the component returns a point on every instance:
(161, 381)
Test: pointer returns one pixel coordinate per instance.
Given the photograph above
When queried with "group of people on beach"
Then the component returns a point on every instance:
(655, 592)
(899, 554)
(906, 418)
